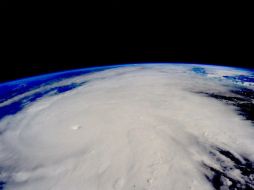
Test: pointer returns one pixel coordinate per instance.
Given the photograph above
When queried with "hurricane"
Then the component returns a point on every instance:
(129, 127)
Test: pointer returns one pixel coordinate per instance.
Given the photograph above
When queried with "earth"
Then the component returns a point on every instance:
(129, 127)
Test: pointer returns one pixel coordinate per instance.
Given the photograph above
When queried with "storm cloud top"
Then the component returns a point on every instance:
(151, 127)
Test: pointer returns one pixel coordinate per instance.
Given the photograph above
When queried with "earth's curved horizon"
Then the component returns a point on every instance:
(131, 126)
(251, 69)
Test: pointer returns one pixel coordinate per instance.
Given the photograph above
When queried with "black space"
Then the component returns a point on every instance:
(45, 37)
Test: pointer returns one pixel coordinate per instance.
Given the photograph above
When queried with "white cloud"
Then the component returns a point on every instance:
(141, 127)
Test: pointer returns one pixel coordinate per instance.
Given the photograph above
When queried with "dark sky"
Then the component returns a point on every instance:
(46, 37)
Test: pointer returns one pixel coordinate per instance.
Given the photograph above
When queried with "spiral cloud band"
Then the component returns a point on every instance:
(151, 127)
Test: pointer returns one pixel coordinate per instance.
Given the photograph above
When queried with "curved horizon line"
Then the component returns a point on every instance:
(115, 65)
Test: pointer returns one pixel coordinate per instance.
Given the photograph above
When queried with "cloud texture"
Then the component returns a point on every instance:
(137, 127)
